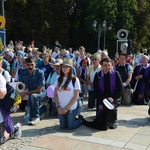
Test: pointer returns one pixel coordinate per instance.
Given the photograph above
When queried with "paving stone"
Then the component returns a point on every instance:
(141, 139)
(133, 146)
(134, 124)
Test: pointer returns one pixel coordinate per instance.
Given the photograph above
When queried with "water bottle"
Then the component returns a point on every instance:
(27, 114)
(13, 95)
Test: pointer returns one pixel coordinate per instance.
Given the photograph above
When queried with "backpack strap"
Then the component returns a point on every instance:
(3, 72)
(52, 73)
(73, 81)
(19, 71)
(126, 66)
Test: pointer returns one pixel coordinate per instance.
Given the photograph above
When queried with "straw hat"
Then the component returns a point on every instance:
(97, 56)
(36, 51)
(49, 51)
(67, 62)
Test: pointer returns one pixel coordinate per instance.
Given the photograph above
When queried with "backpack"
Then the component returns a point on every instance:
(126, 72)
(7, 102)
(126, 68)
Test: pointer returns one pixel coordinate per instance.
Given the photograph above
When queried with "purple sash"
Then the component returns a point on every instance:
(142, 86)
(7, 120)
(101, 86)
(112, 81)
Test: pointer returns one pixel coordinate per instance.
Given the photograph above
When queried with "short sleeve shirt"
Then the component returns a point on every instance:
(34, 80)
(66, 95)
(52, 78)
(2, 83)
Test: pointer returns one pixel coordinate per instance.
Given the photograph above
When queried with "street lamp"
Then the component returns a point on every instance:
(98, 28)
(3, 11)
(104, 27)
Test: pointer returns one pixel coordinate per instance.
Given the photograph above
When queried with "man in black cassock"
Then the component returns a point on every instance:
(107, 85)
(140, 82)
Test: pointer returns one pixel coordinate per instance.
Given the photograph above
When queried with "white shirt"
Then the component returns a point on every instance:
(2, 86)
(2, 82)
(137, 59)
(7, 76)
(54, 54)
(65, 96)
(92, 74)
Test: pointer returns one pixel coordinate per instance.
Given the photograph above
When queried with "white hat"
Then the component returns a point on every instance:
(56, 63)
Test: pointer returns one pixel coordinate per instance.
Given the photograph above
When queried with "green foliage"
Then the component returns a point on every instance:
(70, 21)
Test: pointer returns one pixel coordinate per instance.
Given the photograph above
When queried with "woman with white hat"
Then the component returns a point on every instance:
(67, 89)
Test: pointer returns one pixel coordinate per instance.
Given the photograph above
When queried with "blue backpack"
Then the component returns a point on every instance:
(7, 102)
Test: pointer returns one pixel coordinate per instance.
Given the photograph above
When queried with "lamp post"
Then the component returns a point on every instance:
(98, 28)
(2, 3)
(104, 27)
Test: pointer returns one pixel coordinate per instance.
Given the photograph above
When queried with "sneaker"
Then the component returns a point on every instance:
(17, 132)
(35, 121)
(2, 140)
(114, 125)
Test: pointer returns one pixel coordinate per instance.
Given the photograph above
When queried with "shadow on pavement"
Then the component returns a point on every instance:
(135, 123)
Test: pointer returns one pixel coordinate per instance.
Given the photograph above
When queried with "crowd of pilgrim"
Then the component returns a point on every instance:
(65, 79)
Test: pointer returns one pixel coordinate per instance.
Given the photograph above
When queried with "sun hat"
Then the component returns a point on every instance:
(21, 53)
(57, 62)
(104, 53)
(108, 104)
(11, 54)
(36, 51)
(30, 49)
(67, 62)
(97, 56)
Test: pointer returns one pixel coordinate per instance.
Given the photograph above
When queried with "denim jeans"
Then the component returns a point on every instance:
(33, 103)
(69, 120)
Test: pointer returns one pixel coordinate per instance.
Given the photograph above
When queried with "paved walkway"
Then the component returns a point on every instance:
(133, 133)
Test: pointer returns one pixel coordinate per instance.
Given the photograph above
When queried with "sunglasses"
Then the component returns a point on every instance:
(93, 59)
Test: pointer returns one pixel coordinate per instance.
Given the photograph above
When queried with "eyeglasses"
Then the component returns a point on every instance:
(65, 66)
(93, 59)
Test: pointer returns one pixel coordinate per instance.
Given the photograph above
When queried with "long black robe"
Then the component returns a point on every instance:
(142, 85)
(106, 118)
